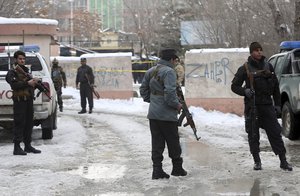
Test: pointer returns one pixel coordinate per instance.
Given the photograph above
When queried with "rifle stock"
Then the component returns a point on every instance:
(186, 113)
(253, 115)
(92, 87)
(39, 85)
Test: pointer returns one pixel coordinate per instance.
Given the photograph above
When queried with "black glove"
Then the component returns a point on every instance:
(278, 110)
(249, 92)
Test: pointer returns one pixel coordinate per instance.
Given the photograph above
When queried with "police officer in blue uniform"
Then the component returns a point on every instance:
(159, 89)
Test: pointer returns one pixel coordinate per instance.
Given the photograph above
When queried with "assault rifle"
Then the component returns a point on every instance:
(253, 112)
(92, 87)
(42, 88)
(185, 113)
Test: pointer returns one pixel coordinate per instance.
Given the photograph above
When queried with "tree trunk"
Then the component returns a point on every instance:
(297, 20)
(279, 23)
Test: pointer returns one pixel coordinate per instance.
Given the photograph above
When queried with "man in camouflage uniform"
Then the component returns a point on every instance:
(179, 68)
(59, 79)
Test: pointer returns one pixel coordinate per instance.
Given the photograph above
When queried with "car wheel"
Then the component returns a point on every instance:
(47, 128)
(289, 125)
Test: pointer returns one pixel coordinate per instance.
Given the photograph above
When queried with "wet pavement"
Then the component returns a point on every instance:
(113, 165)
(207, 162)
(293, 151)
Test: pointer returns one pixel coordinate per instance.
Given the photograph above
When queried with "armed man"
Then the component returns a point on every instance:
(23, 95)
(261, 85)
(84, 82)
(159, 89)
(59, 79)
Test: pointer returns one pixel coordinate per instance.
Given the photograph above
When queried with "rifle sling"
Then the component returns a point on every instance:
(155, 76)
(250, 76)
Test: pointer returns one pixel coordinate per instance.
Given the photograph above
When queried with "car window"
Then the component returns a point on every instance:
(278, 65)
(35, 63)
(288, 68)
(272, 61)
(30, 60)
(296, 62)
(4, 63)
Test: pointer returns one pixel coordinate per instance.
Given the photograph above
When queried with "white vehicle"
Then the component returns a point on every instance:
(45, 109)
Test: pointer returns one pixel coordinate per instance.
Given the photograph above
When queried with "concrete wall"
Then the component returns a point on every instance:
(113, 73)
(208, 76)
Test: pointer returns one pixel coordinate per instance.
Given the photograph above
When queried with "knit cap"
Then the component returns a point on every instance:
(254, 46)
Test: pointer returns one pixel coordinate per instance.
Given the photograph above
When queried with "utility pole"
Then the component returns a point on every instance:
(240, 21)
(71, 23)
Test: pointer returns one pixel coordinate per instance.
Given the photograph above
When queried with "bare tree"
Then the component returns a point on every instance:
(158, 23)
(25, 8)
(237, 23)
(143, 20)
(9, 8)
(297, 21)
(86, 26)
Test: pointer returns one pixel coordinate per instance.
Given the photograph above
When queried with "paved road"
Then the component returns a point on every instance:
(111, 156)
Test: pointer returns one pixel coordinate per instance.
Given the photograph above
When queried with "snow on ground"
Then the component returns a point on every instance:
(229, 125)
(48, 170)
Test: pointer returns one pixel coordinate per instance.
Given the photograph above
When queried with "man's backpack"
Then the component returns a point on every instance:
(56, 76)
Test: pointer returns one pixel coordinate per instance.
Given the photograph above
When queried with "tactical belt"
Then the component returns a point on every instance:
(20, 98)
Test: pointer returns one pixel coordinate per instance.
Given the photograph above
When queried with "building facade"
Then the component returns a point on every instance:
(110, 12)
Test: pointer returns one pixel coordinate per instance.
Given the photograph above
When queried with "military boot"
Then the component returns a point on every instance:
(177, 168)
(257, 161)
(28, 148)
(18, 150)
(82, 111)
(158, 173)
(284, 164)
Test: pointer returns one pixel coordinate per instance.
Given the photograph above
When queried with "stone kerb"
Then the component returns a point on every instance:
(208, 76)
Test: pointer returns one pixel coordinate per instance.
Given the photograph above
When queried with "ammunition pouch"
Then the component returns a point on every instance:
(21, 93)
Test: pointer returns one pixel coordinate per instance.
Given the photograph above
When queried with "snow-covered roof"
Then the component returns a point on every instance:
(28, 21)
(209, 50)
(65, 58)
(107, 54)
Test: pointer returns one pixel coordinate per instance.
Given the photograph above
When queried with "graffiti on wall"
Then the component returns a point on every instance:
(110, 76)
(106, 77)
(217, 70)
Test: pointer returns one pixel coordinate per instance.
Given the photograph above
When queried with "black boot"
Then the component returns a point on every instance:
(28, 148)
(158, 173)
(61, 109)
(257, 161)
(90, 111)
(284, 164)
(257, 166)
(177, 168)
(18, 150)
(82, 111)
